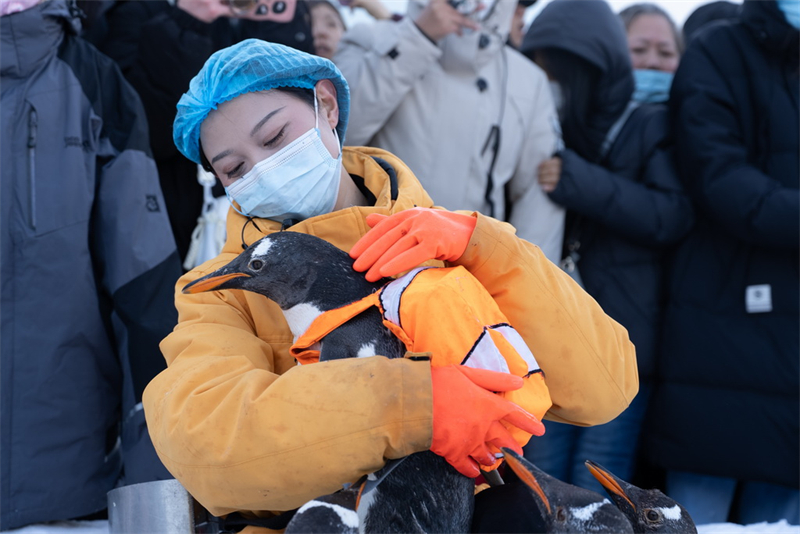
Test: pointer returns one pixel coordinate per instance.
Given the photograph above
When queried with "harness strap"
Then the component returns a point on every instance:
(324, 324)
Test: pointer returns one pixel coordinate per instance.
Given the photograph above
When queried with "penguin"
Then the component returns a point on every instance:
(646, 510)
(538, 502)
(306, 276)
(335, 512)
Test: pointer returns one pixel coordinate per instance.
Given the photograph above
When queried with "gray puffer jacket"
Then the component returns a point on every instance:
(88, 268)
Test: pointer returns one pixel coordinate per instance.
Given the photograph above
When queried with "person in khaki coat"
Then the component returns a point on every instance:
(235, 419)
(472, 117)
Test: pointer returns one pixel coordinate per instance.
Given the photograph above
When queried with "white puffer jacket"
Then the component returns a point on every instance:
(437, 106)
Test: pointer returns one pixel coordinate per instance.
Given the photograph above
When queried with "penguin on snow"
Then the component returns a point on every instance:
(538, 502)
(306, 276)
(646, 510)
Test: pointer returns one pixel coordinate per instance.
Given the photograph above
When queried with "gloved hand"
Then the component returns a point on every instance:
(467, 415)
(402, 241)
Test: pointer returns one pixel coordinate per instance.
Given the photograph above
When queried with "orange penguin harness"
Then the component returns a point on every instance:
(448, 313)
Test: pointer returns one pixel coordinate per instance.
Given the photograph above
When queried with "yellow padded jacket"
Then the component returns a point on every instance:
(244, 428)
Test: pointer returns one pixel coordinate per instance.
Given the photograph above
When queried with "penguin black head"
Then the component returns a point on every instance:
(288, 268)
(647, 510)
(564, 507)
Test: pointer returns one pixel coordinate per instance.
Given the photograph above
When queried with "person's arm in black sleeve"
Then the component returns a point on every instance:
(652, 211)
(135, 260)
(715, 163)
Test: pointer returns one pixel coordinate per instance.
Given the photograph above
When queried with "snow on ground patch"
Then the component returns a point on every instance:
(781, 527)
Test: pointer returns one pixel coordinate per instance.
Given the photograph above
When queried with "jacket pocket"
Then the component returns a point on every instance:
(60, 163)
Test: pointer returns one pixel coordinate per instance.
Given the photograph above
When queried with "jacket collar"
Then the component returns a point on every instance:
(29, 39)
(393, 195)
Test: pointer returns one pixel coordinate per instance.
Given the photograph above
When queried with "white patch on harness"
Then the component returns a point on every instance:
(300, 318)
(586, 513)
(263, 248)
(758, 299)
(673, 513)
(486, 355)
(348, 517)
(390, 296)
(366, 350)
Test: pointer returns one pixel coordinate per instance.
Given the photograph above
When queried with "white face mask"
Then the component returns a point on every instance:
(298, 182)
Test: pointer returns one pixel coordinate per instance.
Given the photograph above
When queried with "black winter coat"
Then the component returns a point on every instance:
(160, 48)
(728, 405)
(625, 210)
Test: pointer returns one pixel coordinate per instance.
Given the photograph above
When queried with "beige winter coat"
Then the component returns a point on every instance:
(423, 102)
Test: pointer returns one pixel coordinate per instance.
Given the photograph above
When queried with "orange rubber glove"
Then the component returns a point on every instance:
(467, 415)
(404, 240)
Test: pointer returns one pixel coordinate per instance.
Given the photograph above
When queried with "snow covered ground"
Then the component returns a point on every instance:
(101, 527)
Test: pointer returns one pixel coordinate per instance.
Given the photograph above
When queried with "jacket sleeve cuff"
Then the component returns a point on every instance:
(417, 400)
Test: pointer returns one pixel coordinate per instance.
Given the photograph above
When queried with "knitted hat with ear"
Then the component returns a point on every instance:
(249, 66)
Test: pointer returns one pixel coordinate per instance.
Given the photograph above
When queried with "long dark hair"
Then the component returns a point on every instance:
(578, 80)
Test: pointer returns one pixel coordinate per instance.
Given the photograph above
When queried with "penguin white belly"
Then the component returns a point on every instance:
(300, 318)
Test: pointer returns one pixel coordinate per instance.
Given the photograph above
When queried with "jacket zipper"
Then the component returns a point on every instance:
(33, 125)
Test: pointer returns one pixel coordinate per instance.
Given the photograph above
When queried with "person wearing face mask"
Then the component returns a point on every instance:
(233, 416)
(160, 45)
(655, 44)
(469, 114)
(729, 370)
(625, 209)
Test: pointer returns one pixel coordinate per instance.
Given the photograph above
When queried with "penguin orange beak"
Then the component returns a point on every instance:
(524, 474)
(209, 284)
(608, 480)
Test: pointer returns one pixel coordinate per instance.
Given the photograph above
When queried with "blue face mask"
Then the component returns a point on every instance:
(791, 10)
(298, 182)
(652, 85)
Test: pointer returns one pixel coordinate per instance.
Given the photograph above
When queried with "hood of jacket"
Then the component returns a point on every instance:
(469, 52)
(591, 31)
(28, 39)
(342, 227)
(769, 27)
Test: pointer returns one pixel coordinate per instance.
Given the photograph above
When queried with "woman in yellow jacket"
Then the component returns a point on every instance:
(234, 418)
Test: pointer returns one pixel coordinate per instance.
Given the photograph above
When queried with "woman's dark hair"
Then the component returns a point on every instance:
(629, 14)
(578, 80)
(301, 93)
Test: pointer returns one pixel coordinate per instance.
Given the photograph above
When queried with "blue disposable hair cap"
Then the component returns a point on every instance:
(249, 66)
